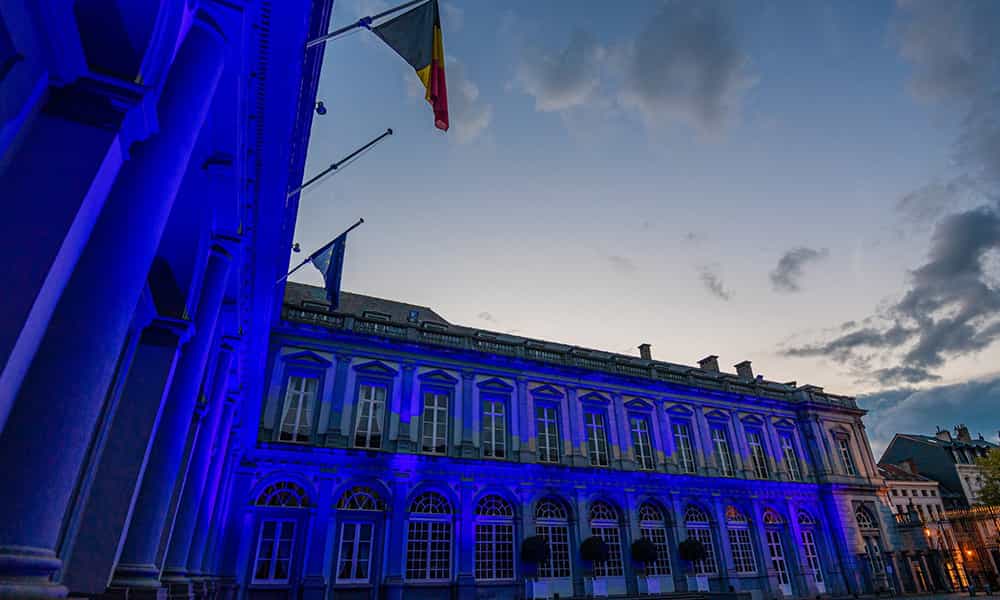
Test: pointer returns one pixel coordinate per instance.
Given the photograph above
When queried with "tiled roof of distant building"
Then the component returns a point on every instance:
(897, 473)
(954, 442)
(358, 304)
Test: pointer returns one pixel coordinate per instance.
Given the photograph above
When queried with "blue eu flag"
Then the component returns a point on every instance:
(330, 261)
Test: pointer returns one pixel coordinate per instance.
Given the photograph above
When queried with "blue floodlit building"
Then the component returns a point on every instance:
(172, 422)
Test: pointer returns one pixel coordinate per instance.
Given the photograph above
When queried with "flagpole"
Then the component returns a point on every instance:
(365, 22)
(336, 165)
(322, 248)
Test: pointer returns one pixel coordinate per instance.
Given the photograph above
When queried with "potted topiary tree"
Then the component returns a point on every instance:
(593, 551)
(534, 551)
(644, 552)
(692, 551)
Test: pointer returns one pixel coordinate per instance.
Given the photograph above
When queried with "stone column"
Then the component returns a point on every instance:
(467, 447)
(407, 441)
(395, 564)
(337, 435)
(465, 537)
(574, 426)
(106, 510)
(213, 486)
(49, 428)
(619, 417)
(139, 563)
(175, 567)
(525, 422)
(314, 580)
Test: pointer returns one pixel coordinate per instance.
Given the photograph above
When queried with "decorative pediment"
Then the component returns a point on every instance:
(639, 404)
(783, 423)
(752, 420)
(595, 398)
(495, 385)
(547, 391)
(306, 357)
(437, 376)
(680, 410)
(375, 368)
(716, 415)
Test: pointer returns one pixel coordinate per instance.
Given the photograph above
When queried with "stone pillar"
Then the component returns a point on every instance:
(139, 563)
(106, 510)
(337, 433)
(467, 447)
(525, 422)
(465, 536)
(84, 128)
(314, 579)
(395, 564)
(574, 428)
(407, 441)
(624, 449)
(213, 487)
(175, 567)
(49, 428)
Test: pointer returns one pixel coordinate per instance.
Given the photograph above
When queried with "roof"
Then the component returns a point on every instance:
(311, 302)
(892, 472)
(954, 442)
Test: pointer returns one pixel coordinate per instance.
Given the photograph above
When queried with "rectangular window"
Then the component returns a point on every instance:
(597, 441)
(707, 566)
(845, 454)
(494, 552)
(274, 551)
(435, 423)
(739, 542)
(812, 555)
(777, 556)
(547, 426)
(494, 429)
(613, 567)
(558, 538)
(757, 455)
(371, 415)
(642, 443)
(874, 551)
(682, 443)
(297, 415)
(895, 492)
(354, 562)
(791, 457)
(428, 551)
(657, 535)
(720, 444)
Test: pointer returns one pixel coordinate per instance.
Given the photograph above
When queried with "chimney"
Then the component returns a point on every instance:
(962, 433)
(709, 363)
(646, 351)
(744, 370)
(943, 434)
(910, 465)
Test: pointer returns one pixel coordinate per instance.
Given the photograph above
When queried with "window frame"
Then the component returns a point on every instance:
(843, 442)
(493, 524)
(787, 442)
(652, 528)
(561, 566)
(681, 430)
(373, 383)
(445, 521)
(727, 465)
(701, 530)
(436, 392)
(744, 557)
(354, 559)
(645, 458)
(280, 525)
(555, 451)
(756, 443)
(304, 373)
(503, 400)
(600, 444)
(610, 531)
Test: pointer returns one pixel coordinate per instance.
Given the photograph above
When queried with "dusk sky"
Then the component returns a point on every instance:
(812, 186)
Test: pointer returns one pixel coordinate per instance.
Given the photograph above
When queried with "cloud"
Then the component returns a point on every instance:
(787, 275)
(712, 280)
(922, 207)
(563, 79)
(486, 316)
(452, 17)
(687, 65)
(905, 410)
(622, 264)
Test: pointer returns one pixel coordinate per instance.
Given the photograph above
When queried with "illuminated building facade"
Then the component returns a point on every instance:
(413, 455)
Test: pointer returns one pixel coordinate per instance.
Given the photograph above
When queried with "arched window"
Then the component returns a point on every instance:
(653, 527)
(276, 537)
(864, 518)
(283, 493)
(359, 498)
(776, 551)
(604, 524)
(552, 523)
(494, 539)
(738, 529)
(428, 540)
(357, 535)
(696, 523)
(808, 525)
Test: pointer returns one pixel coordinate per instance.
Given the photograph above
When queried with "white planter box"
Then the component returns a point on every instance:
(649, 585)
(697, 583)
(820, 587)
(597, 587)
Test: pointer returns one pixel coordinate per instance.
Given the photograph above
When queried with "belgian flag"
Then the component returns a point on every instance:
(416, 36)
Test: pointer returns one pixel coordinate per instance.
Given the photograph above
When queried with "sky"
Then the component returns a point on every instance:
(813, 186)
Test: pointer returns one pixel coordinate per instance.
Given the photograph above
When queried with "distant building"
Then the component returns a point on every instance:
(936, 478)
(949, 460)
